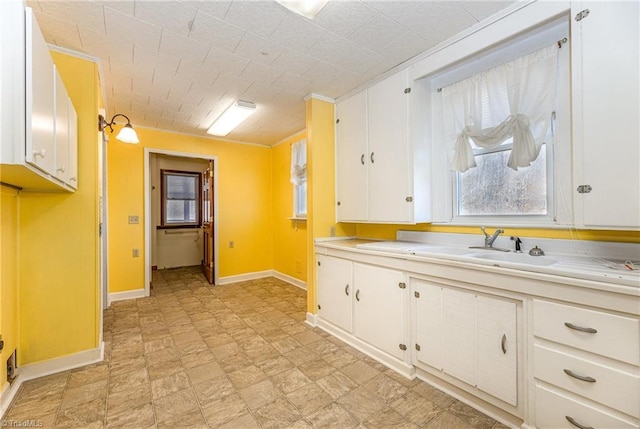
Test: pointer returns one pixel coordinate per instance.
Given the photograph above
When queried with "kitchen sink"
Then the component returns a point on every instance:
(515, 258)
(455, 251)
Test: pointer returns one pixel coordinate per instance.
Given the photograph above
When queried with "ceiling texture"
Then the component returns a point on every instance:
(177, 65)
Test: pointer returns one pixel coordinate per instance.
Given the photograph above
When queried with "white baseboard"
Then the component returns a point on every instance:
(244, 277)
(292, 280)
(121, 296)
(312, 319)
(51, 366)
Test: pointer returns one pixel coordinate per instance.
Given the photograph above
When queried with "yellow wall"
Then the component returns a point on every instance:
(388, 232)
(244, 204)
(9, 202)
(58, 242)
(290, 237)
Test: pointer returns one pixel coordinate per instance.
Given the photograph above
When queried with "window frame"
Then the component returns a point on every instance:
(297, 190)
(558, 150)
(198, 192)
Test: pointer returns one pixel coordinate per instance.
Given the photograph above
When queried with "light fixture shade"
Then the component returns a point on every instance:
(231, 118)
(307, 8)
(128, 135)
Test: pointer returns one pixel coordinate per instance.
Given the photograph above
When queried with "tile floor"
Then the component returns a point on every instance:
(233, 356)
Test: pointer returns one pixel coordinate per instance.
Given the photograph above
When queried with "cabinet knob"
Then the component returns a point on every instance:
(73, 179)
(346, 290)
(338, 203)
(61, 169)
(362, 159)
(503, 344)
(358, 295)
(402, 347)
(41, 153)
(371, 157)
(319, 263)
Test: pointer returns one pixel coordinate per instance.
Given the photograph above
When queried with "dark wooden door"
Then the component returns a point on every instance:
(208, 259)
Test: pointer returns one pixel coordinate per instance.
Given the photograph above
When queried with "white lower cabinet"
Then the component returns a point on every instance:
(378, 315)
(335, 287)
(469, 336)
(586, 367)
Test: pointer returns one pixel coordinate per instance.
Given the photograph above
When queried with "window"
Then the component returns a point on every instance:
(180, 198)
(299, 178)
(500, 132)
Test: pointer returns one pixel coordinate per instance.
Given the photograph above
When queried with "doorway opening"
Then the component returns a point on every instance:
(176, 231)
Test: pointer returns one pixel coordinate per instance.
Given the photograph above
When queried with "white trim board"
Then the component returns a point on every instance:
(48, 367)
(122, 296)
(260, 275)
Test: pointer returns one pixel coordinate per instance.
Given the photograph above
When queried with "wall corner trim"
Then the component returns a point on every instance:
(312, 319)
(48, 367)
(292, 280)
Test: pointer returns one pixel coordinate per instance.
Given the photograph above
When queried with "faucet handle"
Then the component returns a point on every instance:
(483, 231)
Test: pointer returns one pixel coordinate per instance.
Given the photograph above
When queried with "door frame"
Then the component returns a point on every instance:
(148, 228)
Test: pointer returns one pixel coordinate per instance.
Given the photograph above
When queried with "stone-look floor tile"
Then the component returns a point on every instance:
(339, 358)
(416, 408)
(305, 337)
(34, 407)
(387, 419)
(164, 369)
(128, 399)
(224, 410)
(44, 386)
(245, 421)
(439, 398)
(260, 394)
(361, 402)
(167, 385)
(309, 398)
(85, 415)
(173, 406)
(286, 344)
(191, 348)
(275, 365)
(155, 345)
(332, 416)
(88, 375)
(300, 424)
(141, 416)
(278, 414)
(120, 367)
(402, 379)
(337, 384)
(80, 395)
(163, 355)
(205, 372)
(186, 337)
(128, 380)
(187, 420)
(385, 387)
(499, 425)
(226, 351)
(316, 369)
(214, 389)
(197, 359)
(291, 380)
(471, 416)
(360, 372)
(447, 420)
(246, 376)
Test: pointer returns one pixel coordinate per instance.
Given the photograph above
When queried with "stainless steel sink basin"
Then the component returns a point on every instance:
(515, 258)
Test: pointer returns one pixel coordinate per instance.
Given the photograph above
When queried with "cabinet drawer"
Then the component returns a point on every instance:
(614, 388)
(554, 409)
(617, 337)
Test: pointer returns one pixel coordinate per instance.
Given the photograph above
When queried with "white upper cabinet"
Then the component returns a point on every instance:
(375, 157)
(606, 101)
(39, 136)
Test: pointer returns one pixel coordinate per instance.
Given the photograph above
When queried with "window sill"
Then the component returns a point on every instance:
(177, 226)
(297, 219)
(496, 222)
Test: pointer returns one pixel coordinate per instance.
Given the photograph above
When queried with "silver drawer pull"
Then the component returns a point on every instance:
(346, 290)
(358, 295)
(503, 343)
(579, 377)
(580, 328)
(576, 424)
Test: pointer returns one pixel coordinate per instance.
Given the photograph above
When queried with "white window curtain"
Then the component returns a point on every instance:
(299, 162)
(513, 100)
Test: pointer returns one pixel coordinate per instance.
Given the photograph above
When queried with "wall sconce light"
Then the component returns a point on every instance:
(127, 134)
(231, 118)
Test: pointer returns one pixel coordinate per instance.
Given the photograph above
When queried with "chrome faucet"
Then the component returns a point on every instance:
(489, 239)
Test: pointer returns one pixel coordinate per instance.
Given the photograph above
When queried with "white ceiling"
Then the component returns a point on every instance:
(176, 65)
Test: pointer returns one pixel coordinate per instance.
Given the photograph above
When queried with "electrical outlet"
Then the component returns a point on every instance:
(133, 219)
(332, 231)
(136, 253)
(231, 245)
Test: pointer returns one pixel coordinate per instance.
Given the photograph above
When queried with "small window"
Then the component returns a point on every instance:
(180, 198)
(299, 178)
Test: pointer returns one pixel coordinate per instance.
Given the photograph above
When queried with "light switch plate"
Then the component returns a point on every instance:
(134, 219)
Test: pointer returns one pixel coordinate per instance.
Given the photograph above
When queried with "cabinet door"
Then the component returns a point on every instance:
(73, 146)
(497, 348)
(61, 127)
(607, 106)
(334, 290)
(39, 99)
(378, 316)
(428, 319)
(459, 335)
(390, 168)
(351, 159)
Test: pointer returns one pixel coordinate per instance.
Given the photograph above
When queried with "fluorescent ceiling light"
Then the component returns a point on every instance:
(231, 118)
(306, 8)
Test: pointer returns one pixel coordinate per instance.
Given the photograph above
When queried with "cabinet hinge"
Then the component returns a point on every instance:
(407, 90)
(416, 294)
(584, 189)
(402, 347)
(418, 347)
(409, 199)
(402, 285)
(582, 15)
